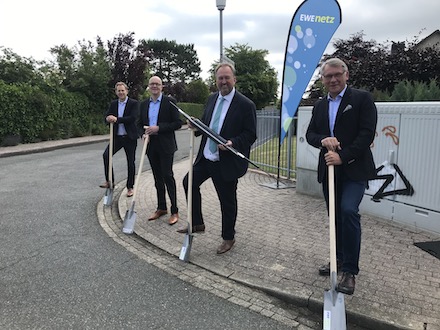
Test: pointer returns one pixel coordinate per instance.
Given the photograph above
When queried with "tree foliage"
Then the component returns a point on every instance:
(174, 63)
(379, 68)
(255, 77)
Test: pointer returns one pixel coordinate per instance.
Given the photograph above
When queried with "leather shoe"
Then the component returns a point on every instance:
(347, 283)
(173, 219)
(324, 270)
(105, 185)
(130, 192)
(196, 229)
(157, 214)
(225, 246)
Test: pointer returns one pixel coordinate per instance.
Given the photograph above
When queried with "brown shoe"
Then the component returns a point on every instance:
(225, 246)
(105, 185)
(173, 219)
(157, 214)
(130, 192)
(196, 229)
(347, 283)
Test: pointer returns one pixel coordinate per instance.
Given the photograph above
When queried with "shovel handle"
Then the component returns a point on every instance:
(141, 165)
(190, 180)
(110, 157)
(332, 223)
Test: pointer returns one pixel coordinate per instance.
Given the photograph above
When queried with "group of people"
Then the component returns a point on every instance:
(342, 126)
(157, 118)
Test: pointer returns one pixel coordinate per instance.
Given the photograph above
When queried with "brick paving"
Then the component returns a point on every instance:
(281, 239)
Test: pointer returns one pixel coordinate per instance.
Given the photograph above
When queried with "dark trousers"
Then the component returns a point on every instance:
(162, 168)
(348, 196)
(226, 192)
(129, 146)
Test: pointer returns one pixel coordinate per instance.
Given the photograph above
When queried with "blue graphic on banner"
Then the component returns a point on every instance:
(313, 25)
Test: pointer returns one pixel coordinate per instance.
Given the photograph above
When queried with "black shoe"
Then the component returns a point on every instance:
(347, 284)
(324, 270)
(195, 229)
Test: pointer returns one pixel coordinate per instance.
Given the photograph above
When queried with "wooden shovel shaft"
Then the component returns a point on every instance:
(110, 158)
(332, 223)
(141, 165)
(190, 180)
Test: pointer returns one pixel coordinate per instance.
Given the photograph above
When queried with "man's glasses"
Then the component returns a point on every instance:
(337, 75)
(155, 84)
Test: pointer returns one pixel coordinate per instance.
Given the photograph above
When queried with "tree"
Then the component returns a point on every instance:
(255, 77)
(174, 63)
(128, 63)
(380, 67)
(15, 69)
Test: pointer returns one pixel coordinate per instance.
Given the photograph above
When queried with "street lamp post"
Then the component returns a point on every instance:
(221, 4)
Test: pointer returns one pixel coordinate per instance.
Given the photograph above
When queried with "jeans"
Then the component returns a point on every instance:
(348, 196)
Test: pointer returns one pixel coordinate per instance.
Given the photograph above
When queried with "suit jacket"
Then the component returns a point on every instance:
(355, 128)
(168, 121)
(239, 126)
(131, 113)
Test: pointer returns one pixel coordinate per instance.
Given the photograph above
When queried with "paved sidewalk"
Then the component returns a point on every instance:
(282, 237)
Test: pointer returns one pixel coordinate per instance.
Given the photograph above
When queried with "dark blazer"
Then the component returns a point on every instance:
(355, 128)
(239, 126)
(168, 121)
(131, 113)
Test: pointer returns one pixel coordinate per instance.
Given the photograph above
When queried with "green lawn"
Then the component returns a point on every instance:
(267, 154)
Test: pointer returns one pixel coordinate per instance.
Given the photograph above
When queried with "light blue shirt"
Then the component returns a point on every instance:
(153, 110)
(121, 109)
(214, 156)
(333, 106)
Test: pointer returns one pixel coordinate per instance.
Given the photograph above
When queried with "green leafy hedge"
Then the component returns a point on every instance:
(31, 114)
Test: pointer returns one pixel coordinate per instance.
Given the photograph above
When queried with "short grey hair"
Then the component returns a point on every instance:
(224, 64)
(335, 63)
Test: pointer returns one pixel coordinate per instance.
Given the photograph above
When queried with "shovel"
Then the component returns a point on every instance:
(108, 197)
(334, 306)
(187, 241)
(130, 215)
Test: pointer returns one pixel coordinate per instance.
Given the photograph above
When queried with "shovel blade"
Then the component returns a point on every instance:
(129, 221)
(186, 247)
(334, 311)
(108, 197)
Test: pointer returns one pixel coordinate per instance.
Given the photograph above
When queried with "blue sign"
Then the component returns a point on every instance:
(312, 27)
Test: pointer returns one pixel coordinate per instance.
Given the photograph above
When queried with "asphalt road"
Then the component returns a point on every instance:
(59, 269)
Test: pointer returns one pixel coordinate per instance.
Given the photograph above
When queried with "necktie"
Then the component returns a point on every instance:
(215, 122)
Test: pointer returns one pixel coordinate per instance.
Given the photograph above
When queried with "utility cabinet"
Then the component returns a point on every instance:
(407, 148)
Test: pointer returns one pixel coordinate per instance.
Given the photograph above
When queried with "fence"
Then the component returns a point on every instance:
(266, 148)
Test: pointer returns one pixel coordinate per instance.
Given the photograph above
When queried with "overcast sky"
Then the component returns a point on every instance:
(31, 27)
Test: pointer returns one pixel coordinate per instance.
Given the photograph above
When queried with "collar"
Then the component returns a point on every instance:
(340, 95)
(228, 97)
(122, 102)
(159, 99)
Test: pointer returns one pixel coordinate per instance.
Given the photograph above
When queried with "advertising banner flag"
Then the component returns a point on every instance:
(311, 29)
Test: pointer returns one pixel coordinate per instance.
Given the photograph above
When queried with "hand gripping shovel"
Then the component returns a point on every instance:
(187, 242)
(108, 197)
(130, 215)
(334, 306)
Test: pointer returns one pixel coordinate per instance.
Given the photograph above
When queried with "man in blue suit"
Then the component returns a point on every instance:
(123, 113)
(233, 116)
(343, 126)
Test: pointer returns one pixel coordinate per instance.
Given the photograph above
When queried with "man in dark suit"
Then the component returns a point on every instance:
(123, 112)
(343, 126)
(233, 116)
(162, 120)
